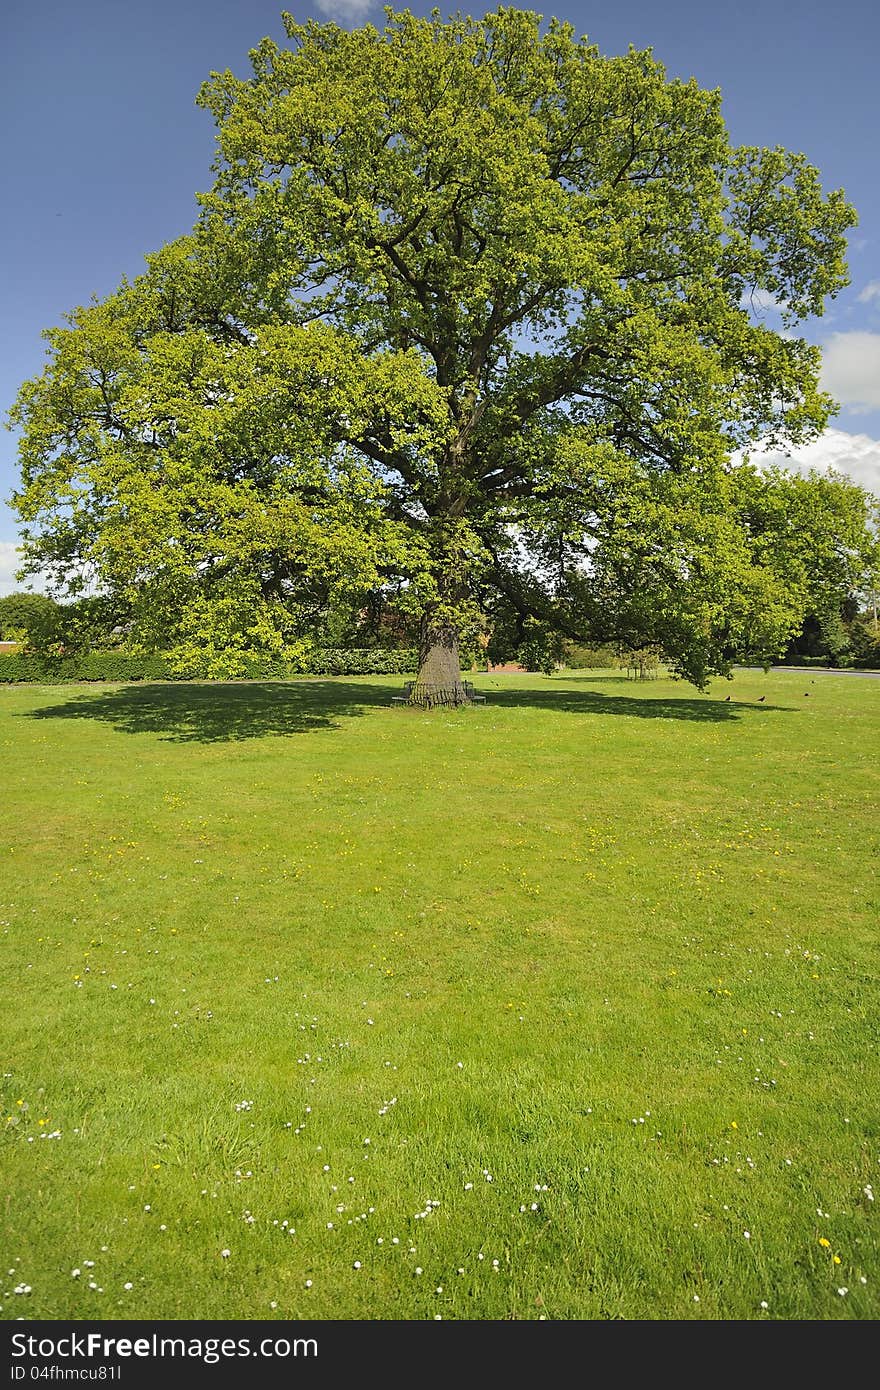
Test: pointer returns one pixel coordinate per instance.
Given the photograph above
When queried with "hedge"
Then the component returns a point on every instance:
(379, 662)
(20, 667)
(823, 663)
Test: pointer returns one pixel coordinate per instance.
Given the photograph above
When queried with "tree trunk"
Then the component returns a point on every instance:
(439, 679)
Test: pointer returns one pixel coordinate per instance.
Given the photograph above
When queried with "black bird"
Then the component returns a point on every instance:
(806, 694)
(761, 699)
(727, 700)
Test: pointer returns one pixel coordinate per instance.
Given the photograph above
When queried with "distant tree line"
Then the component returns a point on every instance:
(844, 635)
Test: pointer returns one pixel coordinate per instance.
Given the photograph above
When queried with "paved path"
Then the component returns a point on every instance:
(815, 671)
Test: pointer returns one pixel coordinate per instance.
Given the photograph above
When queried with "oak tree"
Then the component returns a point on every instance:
(469, 317)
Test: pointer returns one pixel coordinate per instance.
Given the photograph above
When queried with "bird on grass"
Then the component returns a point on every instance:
(727, 699)
(761, 699)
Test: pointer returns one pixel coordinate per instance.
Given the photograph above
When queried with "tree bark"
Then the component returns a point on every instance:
(439, 678)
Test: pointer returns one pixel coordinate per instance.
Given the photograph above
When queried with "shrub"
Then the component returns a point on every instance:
(583, 658)
(364, 662)
(18, 667)
(89, 666)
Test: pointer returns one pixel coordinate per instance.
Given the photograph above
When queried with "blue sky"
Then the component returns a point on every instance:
(103, 151)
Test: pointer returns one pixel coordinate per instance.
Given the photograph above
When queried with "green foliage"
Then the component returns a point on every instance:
(832, 639)
(640, 665)
(23, 667)
(834, 635)
(372, 661)
(465, 319)
(582, 658)
(838, 636)
(378, 621)
(515, 635)
(821, 663)
(864, 641)
(22, 614)
(86, 624)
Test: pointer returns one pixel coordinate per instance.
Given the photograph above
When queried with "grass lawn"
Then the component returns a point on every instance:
(563, 1006)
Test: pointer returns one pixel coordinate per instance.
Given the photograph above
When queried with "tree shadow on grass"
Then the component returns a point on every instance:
(225, 713)
(703, 709)
(221, 713)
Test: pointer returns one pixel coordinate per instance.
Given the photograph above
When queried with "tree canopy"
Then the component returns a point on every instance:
(467, 318)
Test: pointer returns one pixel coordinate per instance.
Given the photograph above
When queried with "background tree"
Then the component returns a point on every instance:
(22, 613)
(465, 316)
(841, 526)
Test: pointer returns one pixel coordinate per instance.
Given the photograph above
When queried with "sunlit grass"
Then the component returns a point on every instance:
(592, 967)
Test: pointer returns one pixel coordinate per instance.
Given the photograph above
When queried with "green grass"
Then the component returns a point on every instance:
(614, 944)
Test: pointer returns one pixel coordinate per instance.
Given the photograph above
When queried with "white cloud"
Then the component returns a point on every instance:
(10, 560)
(762, 302)
(345, 11)
(871, 291)
(856, 455)
(9, 563)
(851, 370)
(759, 299)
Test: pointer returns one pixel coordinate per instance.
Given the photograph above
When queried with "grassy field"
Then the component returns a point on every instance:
(564, 1006)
